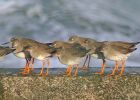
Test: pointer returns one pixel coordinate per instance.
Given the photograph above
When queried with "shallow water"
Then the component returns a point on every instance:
(61, 71)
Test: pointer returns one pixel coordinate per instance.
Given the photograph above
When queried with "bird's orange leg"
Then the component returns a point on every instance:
(42, 70)
(76, 71)
(49, 64)
(26, 69)
(103, 68)
(115, 69)
(71, 67)
(68, 69)
(123, 68)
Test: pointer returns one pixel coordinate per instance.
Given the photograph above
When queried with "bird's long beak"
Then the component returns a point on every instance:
(5, 43)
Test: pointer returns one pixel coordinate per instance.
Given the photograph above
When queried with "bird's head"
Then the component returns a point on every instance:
(15, 42)
(77, 39)
(74, 39)
(57, 44)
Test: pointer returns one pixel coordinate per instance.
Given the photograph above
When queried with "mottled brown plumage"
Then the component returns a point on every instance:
(40, 52)
(70, 54)
(111, 50)
(117, 51)
(89, 44)
(19, 43)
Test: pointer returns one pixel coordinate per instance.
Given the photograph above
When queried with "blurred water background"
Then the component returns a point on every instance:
(49, 20)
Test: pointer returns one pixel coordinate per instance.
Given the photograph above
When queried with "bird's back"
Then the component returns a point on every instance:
(127, 45)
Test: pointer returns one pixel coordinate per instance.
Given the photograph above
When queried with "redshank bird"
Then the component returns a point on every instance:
(111, 50)
(117, 51)
(19, 44)
(89, 44)
(70, 54)
(40, 52)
